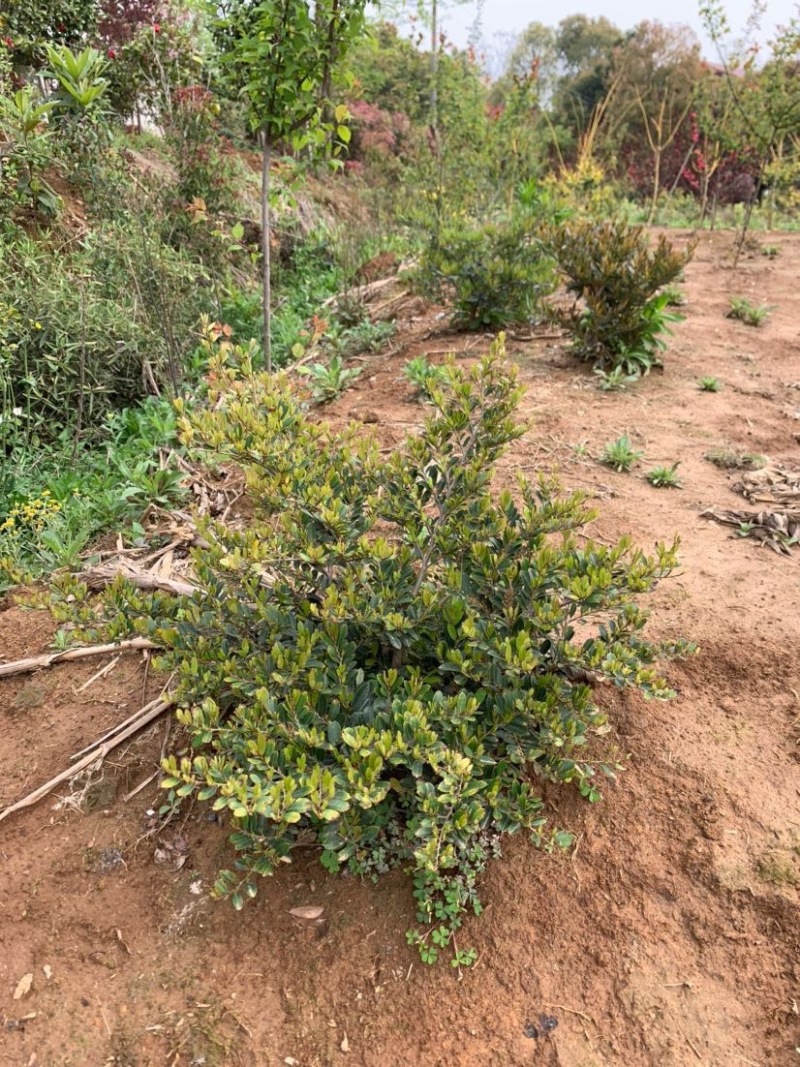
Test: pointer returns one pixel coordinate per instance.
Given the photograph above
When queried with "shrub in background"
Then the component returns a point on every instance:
(388, 659)
(497, 274)
(27, 152)
(94, 329)
(619, 316)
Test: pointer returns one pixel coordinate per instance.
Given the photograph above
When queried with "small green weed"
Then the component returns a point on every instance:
(771, 251)
(365, 336)
(665, 477)
(743, 311)
(709, 385)
(616, 380)
(620, 454)
(146, 483)
(730, 460)
(329, 380)
(422, 374)
(675, 297)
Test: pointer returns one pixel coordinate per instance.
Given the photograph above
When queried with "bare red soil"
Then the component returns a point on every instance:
(668, 936)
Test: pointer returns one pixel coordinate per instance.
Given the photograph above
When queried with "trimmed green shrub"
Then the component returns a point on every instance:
(389, 661)
(619, 316)
(497, 274)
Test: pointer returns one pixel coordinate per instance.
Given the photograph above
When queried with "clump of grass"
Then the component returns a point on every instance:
(743, 311)
(620, 454)
(730, 460)
(676, 297)
(771, 251)
(709, 385)
(665, 477)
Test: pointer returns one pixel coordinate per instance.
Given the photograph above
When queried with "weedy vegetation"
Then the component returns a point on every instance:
(709, 384)
(665, 477)
(620, 454)
(329, 380)
(730, 459)
(751, 315)
(423, 375)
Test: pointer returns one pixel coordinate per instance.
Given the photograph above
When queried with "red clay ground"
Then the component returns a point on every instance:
(668, 937)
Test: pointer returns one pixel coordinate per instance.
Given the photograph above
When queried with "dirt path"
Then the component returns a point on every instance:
(669, 937)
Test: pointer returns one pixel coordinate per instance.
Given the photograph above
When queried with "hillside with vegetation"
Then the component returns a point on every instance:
(398, 472)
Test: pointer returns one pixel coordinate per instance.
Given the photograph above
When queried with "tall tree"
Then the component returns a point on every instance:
(660, 70)
(279, 55)
(766, 99)
(533, 58)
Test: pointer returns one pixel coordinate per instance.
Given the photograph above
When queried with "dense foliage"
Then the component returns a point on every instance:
(389, 659)
(497, 274)
(619, 314)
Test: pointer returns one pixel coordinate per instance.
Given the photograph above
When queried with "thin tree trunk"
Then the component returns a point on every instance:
(435, 74)
(748, 213)
(266, 276)
(704, 199)
(683, 166)
(656, 183)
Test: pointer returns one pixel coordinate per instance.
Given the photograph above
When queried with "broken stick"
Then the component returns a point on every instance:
(99, 752)
(35, 663)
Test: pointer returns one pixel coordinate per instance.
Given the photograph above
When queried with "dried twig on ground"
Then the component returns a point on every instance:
(109, 667)
(35, 663)
(774, 485)
(103, 575)
(96, 754)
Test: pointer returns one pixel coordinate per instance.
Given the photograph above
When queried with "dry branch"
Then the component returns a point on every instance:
(35, 663)
(103, 575)
(98, 752)
(364, 291)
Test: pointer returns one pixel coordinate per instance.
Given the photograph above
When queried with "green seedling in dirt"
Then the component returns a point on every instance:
(616, 380)
(743, 311)
(422, 374)
(729, 460)
(664, 477)
(620, 454)
(676, 298)
(61, 639)
(328, 382)
(771, 251)
(709, 385)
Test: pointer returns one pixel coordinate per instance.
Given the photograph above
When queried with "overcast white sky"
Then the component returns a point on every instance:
(512, 16)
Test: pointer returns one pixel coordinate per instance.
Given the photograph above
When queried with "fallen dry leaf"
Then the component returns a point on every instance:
(23, 986)
(311, 912)
(345, 1046)
(778, 530)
